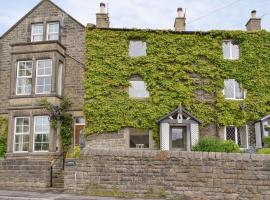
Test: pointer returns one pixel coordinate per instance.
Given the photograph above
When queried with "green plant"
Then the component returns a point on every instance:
(209, 144)
(3, 135)
(176, 67)
(264, 151)
(229, 146)
(266, 141)
(77, 151)
(60, 118)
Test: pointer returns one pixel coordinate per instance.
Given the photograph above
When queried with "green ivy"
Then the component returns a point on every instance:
(3, 135)
(60, 118)
(177, 66)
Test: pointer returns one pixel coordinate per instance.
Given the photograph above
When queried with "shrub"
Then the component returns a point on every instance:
(209, 144)
(266, 141)
(3, 135)
(264, 151)
(213, 144)
(229, 146)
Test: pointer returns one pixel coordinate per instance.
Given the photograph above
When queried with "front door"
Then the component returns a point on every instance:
(178, 135)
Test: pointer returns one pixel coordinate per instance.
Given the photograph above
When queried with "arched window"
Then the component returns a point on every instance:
(138, 88)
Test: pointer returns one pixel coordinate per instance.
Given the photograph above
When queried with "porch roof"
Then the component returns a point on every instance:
(263, 118)
(182, 111)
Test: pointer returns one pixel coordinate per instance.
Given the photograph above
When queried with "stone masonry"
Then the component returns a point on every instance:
(174, 174)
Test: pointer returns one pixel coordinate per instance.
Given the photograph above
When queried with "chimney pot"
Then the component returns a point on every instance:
(180, 13)
(102, 8)
(253, 14)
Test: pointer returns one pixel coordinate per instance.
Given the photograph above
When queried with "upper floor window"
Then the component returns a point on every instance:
(41, 133)
(138, 89)
(59, 79)
(137, 48)
(37, 32)
(43, 76)
(21, 134)
(230, 50)
(53, 31)
(232, 90)
(24, 78)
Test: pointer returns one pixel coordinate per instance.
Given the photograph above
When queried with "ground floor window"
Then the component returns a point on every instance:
(41, 133)
(237, 134)
(21, 135)
(178, 137)
(78, 138)
(138, 138)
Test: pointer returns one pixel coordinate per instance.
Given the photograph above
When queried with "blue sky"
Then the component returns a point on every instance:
(156, 14)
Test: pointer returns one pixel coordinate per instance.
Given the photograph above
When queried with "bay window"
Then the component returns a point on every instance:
(24, 78)
(21, 134)
(41, 133)
(43, 76)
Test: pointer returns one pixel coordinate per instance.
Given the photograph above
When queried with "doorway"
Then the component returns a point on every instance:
(178, 137)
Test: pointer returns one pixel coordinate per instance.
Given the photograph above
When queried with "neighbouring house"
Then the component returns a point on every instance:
(129, 93)
(136, 79)
(41, 56)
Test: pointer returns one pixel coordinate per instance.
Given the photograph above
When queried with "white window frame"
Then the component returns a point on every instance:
(236, 134)
(231, 50)
(60, 79)
(23, 133)
(228, 98)
(24, 77)
(41, 133)
(33, 34)
(131, 87)
(37, 76)
(144, 48)
(52, 33)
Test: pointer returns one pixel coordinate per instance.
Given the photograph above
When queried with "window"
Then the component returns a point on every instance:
(138, 89)
(21, 135)
(41, 133)
(230, 50)
(53, 31)
(237, 134)
(178, 137)
(59, 79)
(138, 138)
(137, 48)
(43, 76)
(232, 90)
(37, 32)
(24, 78)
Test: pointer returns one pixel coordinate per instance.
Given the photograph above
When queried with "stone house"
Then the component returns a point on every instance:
(41, 56)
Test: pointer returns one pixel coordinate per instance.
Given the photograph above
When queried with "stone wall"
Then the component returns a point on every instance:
(174, 175)
(24, 174)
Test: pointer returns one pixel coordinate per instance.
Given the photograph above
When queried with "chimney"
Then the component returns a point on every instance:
(102, 20)
(180, 20)
(254, 23)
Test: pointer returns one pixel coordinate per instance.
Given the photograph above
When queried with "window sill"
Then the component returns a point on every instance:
(34, 96)
(232, 99)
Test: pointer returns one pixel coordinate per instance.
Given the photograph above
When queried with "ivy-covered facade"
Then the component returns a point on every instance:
(221, 77)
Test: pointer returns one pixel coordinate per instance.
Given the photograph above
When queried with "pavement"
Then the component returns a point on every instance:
(22, 195)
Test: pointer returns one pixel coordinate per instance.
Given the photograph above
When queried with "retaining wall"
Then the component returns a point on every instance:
(175, 175)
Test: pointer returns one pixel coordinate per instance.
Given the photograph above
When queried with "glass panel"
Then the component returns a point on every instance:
(229, 88)
(43, 80)
(53, 31)
(178, 137)
(242, 136)
(138, 89)
(37, 33)
(239, 93)
(230, 133)
(138, 138)
(42, 131)
(137, 48)
(235, 51)
(226, 49)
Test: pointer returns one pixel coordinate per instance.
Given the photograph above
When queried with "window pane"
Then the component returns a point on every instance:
(42, 131)
(53, 31)
(230, 133)
(138, 89)
(229, 88)
(139, 138)
(37, 33)
(24, 77)
(226, 49)
(21, 140)
(235, 51)
(239, 93)
(137, 48)
(43, 79)
(178, 137)
(242, 136)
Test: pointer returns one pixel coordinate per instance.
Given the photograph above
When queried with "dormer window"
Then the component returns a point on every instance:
(53, 31)
(232, 90)
(137, 48)
(230, 50)
(37, 31)
(138, 88)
